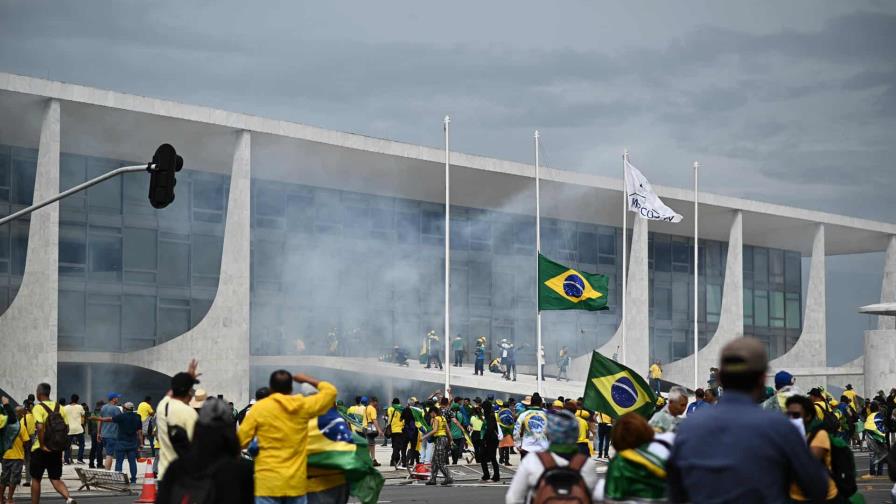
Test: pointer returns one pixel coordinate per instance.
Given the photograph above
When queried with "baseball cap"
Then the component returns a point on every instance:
(182, 382)
(744, 355)
(557, 403)
(113, 395)
(129, 406)
(364, 400)
(783, 379)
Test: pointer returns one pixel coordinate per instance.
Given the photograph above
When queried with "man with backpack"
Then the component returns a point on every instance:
(49, 443)
(823, 411)
(559, 472)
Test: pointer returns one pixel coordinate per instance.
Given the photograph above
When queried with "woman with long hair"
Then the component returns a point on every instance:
(213, 462)
(488, 446)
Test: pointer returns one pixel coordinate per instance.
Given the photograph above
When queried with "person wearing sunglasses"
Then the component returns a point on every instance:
(801, 410)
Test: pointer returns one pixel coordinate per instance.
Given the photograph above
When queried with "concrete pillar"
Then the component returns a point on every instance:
(28, 327)
(811, 349)
(220, 341)
(637, 329)
(888, 285)
(731, 319)
(880, 366)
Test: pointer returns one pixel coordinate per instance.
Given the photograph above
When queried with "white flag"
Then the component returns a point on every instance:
(642, 200)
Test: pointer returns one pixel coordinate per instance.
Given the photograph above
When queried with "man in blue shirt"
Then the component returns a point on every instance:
(754, 454)
(698, 403)
(109, 429)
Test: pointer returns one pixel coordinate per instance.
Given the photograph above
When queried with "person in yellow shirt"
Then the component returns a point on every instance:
(280, 422)
(583, 420)
(14, 457)
(372, 427)
(439, 433)
(656, 376)
(818, 439)
(42, 459)
(851, 394)
(146, 412)
(396, 429)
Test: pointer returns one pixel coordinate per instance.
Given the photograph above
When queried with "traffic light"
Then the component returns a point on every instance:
(162, 179)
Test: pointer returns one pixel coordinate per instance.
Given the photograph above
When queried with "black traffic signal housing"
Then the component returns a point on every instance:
(162, 179)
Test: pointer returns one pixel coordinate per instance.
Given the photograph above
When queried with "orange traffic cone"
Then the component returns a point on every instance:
(148, 494)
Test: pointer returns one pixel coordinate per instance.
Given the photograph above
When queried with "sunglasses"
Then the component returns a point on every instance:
(794, 414)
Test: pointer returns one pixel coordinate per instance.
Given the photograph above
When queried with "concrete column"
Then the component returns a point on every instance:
(880, 366)
(888, 286)
(731, 319)
(811, 349)
(637, 329)
(28, 327)
(220, 341)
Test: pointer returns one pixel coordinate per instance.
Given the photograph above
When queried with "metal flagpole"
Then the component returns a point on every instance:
(624, 245)
(447, 263)
(696, 274)
(538, 353)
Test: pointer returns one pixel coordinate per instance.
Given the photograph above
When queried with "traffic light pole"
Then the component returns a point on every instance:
(78, 188)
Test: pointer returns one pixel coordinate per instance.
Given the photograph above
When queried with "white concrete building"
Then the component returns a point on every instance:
(283, 234)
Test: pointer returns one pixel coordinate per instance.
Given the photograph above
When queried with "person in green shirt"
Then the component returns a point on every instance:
(457, 345)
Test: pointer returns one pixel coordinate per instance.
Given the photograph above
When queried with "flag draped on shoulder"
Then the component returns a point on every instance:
(333, 448)
(643, 200)
(615, 390)
(563, 288)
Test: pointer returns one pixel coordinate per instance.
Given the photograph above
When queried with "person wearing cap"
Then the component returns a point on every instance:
(479, 355)
(128, 439)
(280, 422)
(529, 430)
(214, 445)
(508, 359)
(396, 429)
(108, 428)
(785, 387)
(199, 398)
(175, 419)
(42, 458)
(409, 430)
(562, 430)
(754, 455)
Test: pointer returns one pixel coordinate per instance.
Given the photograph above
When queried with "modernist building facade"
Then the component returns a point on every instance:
(288, 240)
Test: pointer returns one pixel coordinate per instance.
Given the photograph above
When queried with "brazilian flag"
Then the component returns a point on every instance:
(334, 449)
(562, 288)
(615, 390)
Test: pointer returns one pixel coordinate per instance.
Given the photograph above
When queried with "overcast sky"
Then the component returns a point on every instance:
(789, 102)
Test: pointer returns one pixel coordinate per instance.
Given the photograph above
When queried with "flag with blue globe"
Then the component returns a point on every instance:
(615, 390)
(564, 288)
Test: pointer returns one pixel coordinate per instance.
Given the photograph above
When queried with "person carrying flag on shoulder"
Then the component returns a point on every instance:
(529, 430)
(506, 421)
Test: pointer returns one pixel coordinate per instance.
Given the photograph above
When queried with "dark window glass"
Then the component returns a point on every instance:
(105, 257)
(173, 321)
(139, 317)
(776, 267)
(107, 194)
(72, 319)
(207, 251)
(760, 308)
(24, 172)
(794, 313)
(72, 249)
(793, 270)
(681, 252)
(662, 255)
(4, 166)
(140, 247)
(663, 303)
(19, 245)
(607, 244)
(174, 263)
(433, 223)
(103, 326)
(760, 266)
(208, 194)
(588, 247)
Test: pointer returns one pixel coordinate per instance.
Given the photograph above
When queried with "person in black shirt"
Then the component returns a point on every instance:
(411, 433)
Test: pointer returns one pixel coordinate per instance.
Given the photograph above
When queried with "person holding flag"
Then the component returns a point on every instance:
(615, 389)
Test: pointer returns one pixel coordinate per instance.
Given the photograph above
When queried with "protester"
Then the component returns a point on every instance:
(439, 433)
(175, 419)
(457, 346)
(563, 361)
(508, 359)
(876, 438)
(638, 471)
(476, 423)
(95, 456)
(507, 422)
(199, 398)
(396, 427)
(491, 435)
(710, 397)
(260, 394)
(14, 456)
(109, 429)
(762, 452)
(372, 427)
(410, 454)
(699, 401)
(130, 438)
(432, 342)
(147, 417)
(800, 408)
(280, 422)
(656, 376)
(583, 444)
(213, 455)
(529, 430)
(31, 427)
(75, 415)
(561, 451)
(47, 447)
(479, 354)
(604, 433)
(668, 418)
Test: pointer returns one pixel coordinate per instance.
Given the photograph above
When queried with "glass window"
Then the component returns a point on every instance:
(793, 270)
(760, 308)
(200, 309)
(680, 252)
(748, 261)
(139, 316)
(267, 258)
(433, 223)
(299, 209)
(524, 233)
(107, 194)
(408, 227)
(140, 246)
(173, 321)
(207, 251)
(713, 302)
(776, 309)
(663, 303)
(588, 247)
(748, 307)
(4, 243)
(480, 232)
(174, 261)
(760, 266)
(24, 172)
(776, 267)
(72, 319)
(208, 194)
(662, 255)
(19, 245)
(794, 313)
(606, 244)
(460, 232)
(103, 326)
(4, 166)
(72, 249)
(105, 257)
(681, 300)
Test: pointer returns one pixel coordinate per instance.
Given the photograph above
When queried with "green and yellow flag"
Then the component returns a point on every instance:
(562, 288)
(615, 390)
(334, 449)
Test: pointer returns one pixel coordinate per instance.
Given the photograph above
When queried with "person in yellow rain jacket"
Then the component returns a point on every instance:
(280, 422)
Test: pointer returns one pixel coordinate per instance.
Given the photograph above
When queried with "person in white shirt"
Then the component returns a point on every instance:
(529, 431)
(175, 419)
(563, 432)
(75, 414)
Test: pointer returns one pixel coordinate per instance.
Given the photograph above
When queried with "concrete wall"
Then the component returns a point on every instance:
(811, 349)
(636, 351)
(731, 320)
(888, 285)
(28, 327)
(880, 345)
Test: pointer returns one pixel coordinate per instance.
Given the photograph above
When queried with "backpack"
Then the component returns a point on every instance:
(195, 488)
(829, 421)
(8, 435)
(55, 436)
(843, 466)
(561, 484)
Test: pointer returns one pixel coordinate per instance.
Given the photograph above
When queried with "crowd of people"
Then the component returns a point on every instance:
(736, 441)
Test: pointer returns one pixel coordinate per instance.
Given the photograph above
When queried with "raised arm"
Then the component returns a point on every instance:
(319, 403)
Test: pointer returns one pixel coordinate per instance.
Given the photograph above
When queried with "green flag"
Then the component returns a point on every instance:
(562, 288)
(615, 390)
